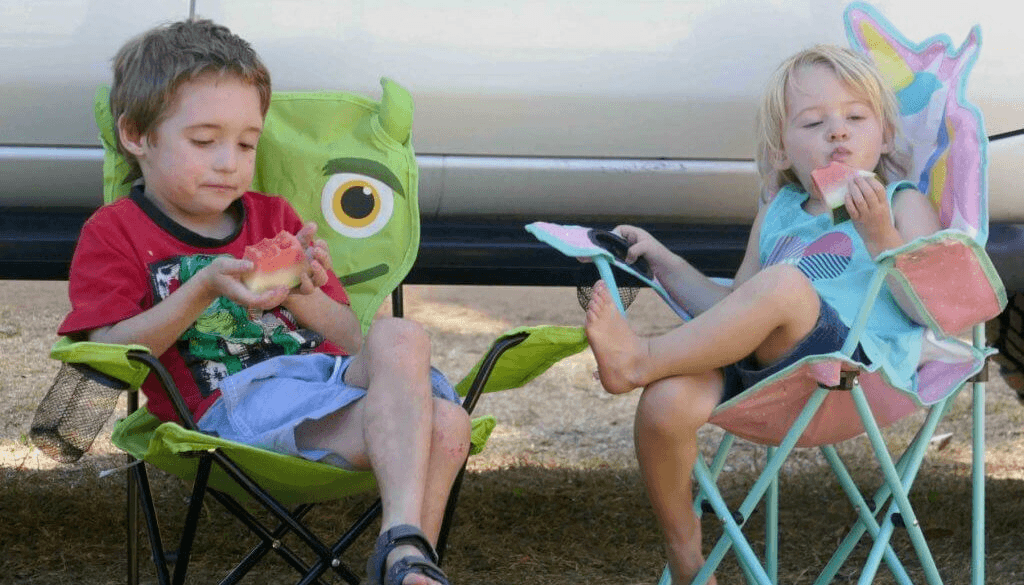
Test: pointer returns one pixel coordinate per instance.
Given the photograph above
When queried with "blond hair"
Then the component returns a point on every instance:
(861, 76)
(149, 69)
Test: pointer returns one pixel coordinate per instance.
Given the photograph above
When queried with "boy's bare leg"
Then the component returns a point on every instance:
(394, 367)
(766, 316)
(449, 448)
(390, 431)
(668, 416)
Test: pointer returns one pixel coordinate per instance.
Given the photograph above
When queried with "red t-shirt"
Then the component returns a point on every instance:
(130, 256)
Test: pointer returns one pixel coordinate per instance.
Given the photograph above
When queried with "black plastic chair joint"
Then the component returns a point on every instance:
(738, 518)
(982, 375)
(847, 378)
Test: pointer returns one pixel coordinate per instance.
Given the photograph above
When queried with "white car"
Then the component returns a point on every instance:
(586, 112)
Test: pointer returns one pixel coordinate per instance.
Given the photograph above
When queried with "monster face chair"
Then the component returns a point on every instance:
(351, 169)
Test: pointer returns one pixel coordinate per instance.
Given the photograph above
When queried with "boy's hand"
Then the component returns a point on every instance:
(319, 259)
(222, 278)
(868, 206)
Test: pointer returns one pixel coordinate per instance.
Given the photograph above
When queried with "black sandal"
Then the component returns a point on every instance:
(403, 534)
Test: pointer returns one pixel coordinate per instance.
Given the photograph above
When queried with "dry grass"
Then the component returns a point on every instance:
(555, 499)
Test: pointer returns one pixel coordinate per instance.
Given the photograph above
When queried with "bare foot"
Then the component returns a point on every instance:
(686, 561)
(619, 352)
(681, 577)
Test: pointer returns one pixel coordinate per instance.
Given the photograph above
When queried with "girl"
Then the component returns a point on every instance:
(796, 291)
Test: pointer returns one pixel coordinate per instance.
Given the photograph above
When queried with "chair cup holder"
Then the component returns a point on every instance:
(79, 402)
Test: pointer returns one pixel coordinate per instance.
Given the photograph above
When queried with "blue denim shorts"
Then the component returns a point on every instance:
(828, 336)
(263, 404)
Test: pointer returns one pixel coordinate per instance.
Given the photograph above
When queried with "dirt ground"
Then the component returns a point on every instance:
(555, 499)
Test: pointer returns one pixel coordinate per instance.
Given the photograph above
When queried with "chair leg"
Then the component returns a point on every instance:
(499, 347)
(449, 515)
(899, 493)
(866, 522)
(132, 495)
(978, 471)
(271, 540)
(715, 469)
(907, 469)
(733, 536)
(132, 521)
(144, 496)
(188, 533)
(771, 523)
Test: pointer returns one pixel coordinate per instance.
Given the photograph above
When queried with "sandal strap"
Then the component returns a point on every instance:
(401, 534)
(412, 565)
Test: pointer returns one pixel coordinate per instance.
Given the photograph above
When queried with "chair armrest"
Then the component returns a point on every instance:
(950, 279)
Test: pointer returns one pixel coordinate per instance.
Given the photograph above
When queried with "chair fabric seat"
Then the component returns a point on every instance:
(291, 480)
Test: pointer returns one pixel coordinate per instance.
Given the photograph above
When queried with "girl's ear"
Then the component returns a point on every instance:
(889, 139)
(781, 162)
(129, 136)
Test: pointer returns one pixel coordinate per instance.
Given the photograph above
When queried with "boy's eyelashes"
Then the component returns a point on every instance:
(204, 142)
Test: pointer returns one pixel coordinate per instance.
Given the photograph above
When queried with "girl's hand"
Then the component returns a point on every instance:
(642, 245)
(869, 209)
(319, 259)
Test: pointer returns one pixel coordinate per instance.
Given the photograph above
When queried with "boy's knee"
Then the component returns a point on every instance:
(399, 337)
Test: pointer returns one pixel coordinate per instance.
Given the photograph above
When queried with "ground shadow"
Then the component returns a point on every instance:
(529, 524)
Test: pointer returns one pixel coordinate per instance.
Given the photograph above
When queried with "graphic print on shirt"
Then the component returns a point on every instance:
(825, 258)
(226, 338)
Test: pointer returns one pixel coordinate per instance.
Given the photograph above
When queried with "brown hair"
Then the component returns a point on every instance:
(149, 69)
(855, 71)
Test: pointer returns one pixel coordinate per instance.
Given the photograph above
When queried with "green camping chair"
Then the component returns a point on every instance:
(316, 147)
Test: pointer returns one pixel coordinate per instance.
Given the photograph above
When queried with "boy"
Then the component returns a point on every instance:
(161, 268)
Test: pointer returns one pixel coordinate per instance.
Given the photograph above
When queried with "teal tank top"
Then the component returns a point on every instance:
(834, 258)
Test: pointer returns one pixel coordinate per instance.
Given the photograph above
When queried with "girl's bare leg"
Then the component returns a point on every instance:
(766, 316)
(668, 416)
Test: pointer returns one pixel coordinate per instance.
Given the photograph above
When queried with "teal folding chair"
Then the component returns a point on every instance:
(822, 404)
(823, 400)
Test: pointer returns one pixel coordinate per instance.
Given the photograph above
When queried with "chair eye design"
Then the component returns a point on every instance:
(356, 206)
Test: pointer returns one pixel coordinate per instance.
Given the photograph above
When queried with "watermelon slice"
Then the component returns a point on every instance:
(277, 261)
(832, 183)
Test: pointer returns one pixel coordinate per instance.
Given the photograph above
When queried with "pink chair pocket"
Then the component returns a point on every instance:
(953, 280)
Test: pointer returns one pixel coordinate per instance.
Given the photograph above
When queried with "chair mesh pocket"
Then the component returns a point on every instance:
(76, 407)
(588, 277)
